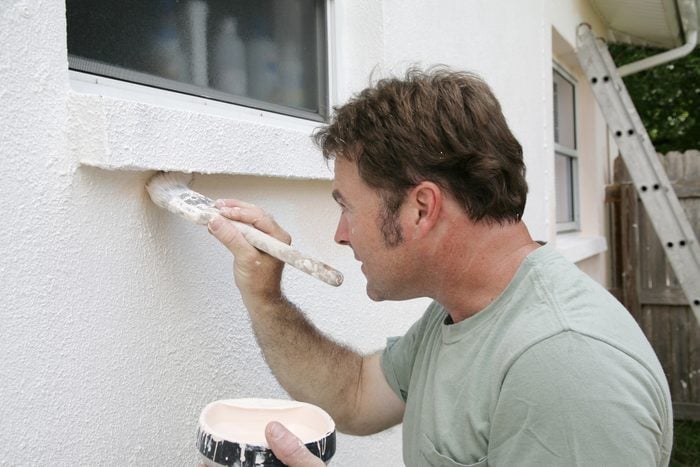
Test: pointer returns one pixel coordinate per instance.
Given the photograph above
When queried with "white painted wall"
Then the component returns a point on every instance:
(119, 321)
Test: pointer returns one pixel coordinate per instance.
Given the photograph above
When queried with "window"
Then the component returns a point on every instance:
(565, 152)
(266, 54)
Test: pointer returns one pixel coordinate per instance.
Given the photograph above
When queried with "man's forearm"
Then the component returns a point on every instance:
(309, 365)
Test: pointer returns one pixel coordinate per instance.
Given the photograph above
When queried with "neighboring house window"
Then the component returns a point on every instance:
(265, 54)
(565, 152)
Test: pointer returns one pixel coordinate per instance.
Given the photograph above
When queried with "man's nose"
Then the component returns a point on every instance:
(341, 232)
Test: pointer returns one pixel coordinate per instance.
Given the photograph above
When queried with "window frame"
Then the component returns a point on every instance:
(166, 87)
(571, 153)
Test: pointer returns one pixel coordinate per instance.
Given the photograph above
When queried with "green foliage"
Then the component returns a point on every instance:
(667, 97)
(686, 444)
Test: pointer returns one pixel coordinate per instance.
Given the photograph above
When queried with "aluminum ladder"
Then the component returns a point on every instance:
(648, 175)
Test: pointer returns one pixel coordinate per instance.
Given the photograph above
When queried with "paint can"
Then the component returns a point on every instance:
(231, 432)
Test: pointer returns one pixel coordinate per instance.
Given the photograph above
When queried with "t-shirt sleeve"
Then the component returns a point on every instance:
(400, 354)
(558, 406)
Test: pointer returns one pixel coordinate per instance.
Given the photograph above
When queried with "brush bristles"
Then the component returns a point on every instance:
(171, 191)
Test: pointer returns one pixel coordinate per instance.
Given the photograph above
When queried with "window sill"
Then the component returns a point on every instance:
(120, 126)
(576, 247)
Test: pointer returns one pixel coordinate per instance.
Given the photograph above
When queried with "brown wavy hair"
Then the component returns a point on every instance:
(438, 125)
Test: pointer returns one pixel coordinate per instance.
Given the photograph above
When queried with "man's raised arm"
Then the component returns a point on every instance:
(309, 365)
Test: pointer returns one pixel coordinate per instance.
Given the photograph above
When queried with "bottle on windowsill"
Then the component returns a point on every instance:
(229, 70)
(263, 65)
(167, 59)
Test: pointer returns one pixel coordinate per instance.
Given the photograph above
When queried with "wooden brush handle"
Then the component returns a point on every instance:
(289, 255)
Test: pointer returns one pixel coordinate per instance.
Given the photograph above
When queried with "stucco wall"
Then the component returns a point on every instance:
(119, 321)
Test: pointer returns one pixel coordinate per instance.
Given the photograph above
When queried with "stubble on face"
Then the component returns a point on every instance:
(382, 287)
(392, 233)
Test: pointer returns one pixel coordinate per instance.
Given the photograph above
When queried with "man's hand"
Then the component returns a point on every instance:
(257, 274)
(288, 448)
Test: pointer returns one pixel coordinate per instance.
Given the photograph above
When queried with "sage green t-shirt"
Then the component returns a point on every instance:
(555, 372)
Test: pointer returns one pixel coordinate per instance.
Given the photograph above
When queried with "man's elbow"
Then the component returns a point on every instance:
(361, 427)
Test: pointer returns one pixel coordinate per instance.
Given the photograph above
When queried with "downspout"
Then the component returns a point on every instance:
(689, 16)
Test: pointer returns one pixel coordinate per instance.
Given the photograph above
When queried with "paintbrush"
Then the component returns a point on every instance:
(172, 192)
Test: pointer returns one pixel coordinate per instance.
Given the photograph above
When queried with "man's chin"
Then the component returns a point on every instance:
(374, 295)
(382, 295)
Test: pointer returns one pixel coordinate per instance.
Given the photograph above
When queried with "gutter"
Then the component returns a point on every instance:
(689, 16)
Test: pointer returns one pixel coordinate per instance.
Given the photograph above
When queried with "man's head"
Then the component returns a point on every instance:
(440, 126)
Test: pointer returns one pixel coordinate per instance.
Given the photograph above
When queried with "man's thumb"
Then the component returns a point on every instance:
(288, 448)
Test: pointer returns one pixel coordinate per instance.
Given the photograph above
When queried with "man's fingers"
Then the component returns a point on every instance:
(232, 203)
(288, 448)
(228, 234)
(258, 218)
(251, 214)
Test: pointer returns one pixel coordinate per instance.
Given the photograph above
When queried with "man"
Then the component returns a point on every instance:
(520, 360)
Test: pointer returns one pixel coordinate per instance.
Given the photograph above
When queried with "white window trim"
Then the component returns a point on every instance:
(89, 84)
(576, 247)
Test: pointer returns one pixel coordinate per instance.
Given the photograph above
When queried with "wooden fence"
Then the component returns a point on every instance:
(644, 282)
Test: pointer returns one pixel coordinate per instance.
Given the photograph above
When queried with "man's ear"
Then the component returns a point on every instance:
(426, 203)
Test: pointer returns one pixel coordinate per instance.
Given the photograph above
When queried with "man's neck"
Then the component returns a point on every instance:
(476, 263)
